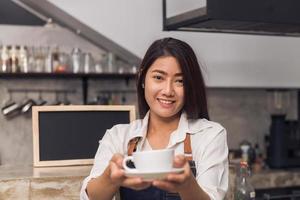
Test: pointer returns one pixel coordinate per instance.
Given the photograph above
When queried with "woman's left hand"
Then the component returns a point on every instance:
(176, 182)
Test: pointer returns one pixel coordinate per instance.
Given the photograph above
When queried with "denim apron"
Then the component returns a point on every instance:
(153, 193)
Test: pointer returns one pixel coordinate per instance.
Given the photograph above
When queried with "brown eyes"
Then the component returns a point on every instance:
(178, 81)
(157, 77)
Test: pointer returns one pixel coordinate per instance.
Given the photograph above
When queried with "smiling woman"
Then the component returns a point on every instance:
(182, 57)
(164, 87)
(172, 103)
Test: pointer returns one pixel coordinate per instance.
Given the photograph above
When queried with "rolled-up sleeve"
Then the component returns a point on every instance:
(83, 194)
(108, 146)
(212, 165)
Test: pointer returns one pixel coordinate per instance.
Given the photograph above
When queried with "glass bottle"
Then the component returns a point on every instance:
(39, 60)
(14, 57)
(4, 59)
(48, 60)
(23, 59)
(55, 60)
(31, 59)
(243, 188)
(89, 65)
(111, 63)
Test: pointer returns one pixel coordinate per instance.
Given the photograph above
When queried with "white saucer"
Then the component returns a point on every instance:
(152, 175)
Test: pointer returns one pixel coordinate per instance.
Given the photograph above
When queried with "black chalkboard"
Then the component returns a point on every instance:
(65, 135)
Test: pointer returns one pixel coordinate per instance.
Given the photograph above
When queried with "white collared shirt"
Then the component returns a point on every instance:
(209, 149)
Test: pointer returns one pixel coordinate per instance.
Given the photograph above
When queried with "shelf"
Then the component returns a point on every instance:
(67, 75)
(83, 76)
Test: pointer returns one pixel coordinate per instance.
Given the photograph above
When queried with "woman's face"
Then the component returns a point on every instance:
(164, 91)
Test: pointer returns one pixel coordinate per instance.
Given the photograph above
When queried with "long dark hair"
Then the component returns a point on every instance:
(195, 103)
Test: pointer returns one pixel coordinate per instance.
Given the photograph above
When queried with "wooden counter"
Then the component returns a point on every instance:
(64, 183)
(267, 179)
(28, 183)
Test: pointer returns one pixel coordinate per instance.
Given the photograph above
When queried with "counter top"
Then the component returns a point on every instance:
(65, 182)
(30, 172)
(276, 178)
(271, 178)
(29, 183)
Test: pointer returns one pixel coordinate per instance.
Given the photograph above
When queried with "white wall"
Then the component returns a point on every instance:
(176, 7)
(231, 60)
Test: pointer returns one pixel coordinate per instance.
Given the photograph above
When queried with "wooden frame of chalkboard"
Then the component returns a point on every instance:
(69, 135)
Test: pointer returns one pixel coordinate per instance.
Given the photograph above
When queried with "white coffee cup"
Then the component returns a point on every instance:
(151, 161)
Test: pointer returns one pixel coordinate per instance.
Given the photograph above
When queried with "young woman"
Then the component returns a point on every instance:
(172, 103)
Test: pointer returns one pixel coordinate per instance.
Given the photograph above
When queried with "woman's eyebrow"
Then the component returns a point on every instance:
(165, 73)
(179, 74)
(159, 71)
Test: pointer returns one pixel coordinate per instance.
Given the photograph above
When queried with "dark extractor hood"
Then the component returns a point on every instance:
(259, 17)
(39, 12)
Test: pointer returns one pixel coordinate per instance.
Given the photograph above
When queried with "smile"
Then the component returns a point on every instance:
(164, 101)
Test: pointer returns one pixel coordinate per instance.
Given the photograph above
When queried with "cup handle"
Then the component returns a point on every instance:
(124, 163)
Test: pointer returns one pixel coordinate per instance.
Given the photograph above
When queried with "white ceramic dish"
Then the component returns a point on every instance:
(152, 175)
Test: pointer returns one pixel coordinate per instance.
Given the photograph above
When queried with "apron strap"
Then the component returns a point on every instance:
(132, 145)
(188, 147)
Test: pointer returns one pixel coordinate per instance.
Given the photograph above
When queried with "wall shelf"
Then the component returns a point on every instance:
(83, 76)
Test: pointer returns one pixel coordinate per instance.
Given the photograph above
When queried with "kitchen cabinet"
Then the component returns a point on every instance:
(83, 76)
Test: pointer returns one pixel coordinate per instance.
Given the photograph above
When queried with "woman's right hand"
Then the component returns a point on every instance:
(116, 175)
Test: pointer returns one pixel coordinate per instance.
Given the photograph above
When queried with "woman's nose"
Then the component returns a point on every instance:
(168, 89)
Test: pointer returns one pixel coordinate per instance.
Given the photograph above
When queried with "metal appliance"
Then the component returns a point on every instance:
(285, 193)
(274, 17)
(284, 145)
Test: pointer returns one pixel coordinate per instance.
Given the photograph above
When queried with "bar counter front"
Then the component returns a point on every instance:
(64, 183)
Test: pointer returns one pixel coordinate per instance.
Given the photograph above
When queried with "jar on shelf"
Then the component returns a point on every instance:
(64, 63)
(89, 63)
(77, 63)
(39, 59)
